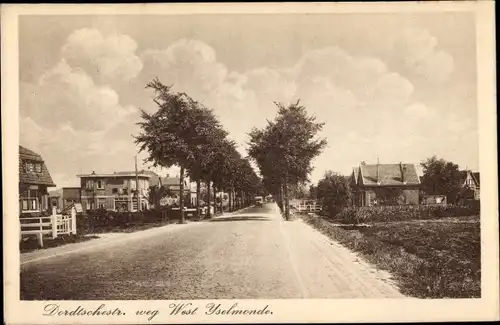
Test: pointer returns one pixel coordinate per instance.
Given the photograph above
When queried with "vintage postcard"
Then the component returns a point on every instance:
(249, 163)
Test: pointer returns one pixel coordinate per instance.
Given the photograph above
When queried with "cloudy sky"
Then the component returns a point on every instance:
(394, 87)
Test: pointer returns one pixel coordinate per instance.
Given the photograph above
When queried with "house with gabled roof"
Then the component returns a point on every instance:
(470, 182)
(34, 180)
(385, 184)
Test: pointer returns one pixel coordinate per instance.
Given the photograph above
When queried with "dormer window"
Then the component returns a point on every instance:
(30, 167)
(33, 167)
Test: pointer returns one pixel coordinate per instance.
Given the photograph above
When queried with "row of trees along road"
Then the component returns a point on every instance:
(284, 150)
(184, 133)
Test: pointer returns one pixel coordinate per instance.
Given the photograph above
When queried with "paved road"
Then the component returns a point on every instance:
(254, 254)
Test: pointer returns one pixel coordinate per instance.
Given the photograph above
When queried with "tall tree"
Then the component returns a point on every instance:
(441, 177)
(285, 148)
(176, 133)
(313, 191)
(334, 193)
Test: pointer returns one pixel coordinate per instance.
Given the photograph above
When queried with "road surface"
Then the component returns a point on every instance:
(249, 255)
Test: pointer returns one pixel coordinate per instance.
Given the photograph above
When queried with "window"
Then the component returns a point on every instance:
(369, 198)
(125, 191)
(89, 184)
(100, 184)
(30, 204)
(101, 203)
(38, 168)
(30, 167)
(114, 191)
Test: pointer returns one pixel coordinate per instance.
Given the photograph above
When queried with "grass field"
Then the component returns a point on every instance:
(437, 258)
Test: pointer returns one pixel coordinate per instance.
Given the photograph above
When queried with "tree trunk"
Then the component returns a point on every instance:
(222, 201)
(287, 208)
(235, 202)
(181, 196)
(215, 198)
(158, 195)
(229, 205)
(198, 191)
(208, 200)
(280, 198)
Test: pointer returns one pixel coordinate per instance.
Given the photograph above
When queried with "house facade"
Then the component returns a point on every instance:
(34, 181)
(116, 192)
(470, 185)
(385, 184)
(172, 186)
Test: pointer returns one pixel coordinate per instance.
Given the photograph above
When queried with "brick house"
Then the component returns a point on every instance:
(116, 192)
(34, 180)
(385, 184)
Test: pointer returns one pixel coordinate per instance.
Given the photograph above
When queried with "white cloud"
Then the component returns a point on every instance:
(359, 95)
(65, 95)
(419, 111)
(421, 54)
(364, 103)
(68, 152)
(111, 57)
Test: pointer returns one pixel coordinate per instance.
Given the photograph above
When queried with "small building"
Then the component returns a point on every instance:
(70, 196)
(34, 181)
(55, 200)
(385, 184)
(117, 191)
(470, 185)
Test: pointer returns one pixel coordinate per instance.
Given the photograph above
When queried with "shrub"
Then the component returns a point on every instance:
(356, 215)
(105, 220)
(334, 193)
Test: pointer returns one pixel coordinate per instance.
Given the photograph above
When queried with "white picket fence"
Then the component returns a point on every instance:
(54, 225)
(306, 206)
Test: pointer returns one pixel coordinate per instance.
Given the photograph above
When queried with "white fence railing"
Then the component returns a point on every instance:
(53, 225)
(306, 206)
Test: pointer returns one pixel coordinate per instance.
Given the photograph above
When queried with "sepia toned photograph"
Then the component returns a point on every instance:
(233, 156)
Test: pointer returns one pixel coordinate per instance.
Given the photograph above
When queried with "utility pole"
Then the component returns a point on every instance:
(137, 185)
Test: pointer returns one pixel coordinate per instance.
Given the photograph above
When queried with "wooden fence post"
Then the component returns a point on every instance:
(73, 221)
(40, 239)
(54, 222)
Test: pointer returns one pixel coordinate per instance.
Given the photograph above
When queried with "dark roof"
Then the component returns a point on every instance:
(477, 178)
(474, 175)
(34, 178)
(169, 181)
(389, 174)
(56, 193)
(154, 179)
(355, 171)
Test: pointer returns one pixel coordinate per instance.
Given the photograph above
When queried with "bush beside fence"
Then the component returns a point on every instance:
(102, 220)
(356, 215)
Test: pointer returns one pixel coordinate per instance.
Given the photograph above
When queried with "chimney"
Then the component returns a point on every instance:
(93, 172)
